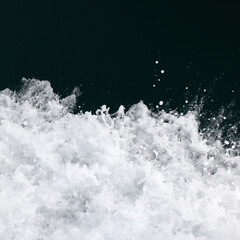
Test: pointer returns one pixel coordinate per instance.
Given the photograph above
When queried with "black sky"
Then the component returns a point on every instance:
(110, 49)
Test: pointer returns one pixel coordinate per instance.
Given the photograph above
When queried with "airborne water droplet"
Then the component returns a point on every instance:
(226, 142)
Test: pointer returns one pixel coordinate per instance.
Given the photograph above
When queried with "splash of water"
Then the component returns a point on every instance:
(133, 175)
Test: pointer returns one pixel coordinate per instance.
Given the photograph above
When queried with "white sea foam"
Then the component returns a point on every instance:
(134, 175)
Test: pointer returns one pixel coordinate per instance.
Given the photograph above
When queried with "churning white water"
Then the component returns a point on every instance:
(134, 175)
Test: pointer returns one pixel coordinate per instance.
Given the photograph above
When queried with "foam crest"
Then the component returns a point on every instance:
(133, 175)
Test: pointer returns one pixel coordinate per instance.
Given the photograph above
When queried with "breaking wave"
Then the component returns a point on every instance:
(134, 175)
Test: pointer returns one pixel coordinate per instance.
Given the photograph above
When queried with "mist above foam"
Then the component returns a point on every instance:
(133, 175)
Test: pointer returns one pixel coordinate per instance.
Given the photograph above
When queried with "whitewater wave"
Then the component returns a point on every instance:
(134, 175)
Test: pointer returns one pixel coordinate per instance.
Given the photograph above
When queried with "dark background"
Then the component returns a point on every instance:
(110, 49)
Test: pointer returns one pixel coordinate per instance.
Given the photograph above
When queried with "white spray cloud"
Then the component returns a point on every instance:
(134, 175)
